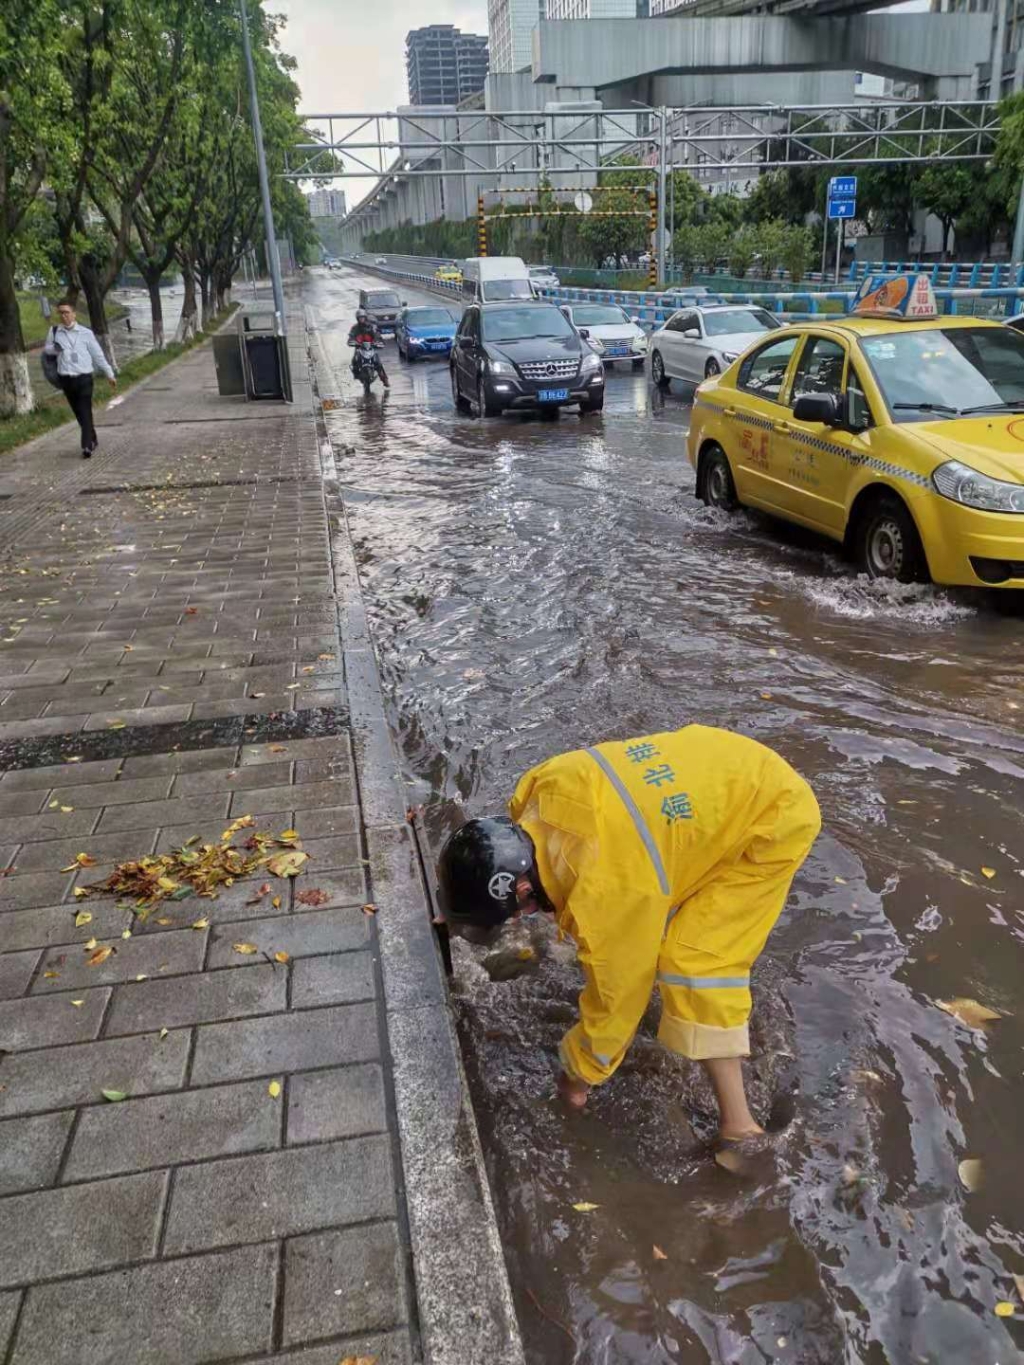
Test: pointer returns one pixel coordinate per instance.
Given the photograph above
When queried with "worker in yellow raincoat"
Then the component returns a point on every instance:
(666, 858)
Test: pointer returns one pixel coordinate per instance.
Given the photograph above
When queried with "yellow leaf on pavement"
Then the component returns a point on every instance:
(968, 1011)
(99, 956)
(201, 924)
(276, 902)
(659, 1255)
(83, 917)
(988, 872)
(1005, 1310)
(67, 809)
(90, 944)
(114, 1096)
(282, 957)
(274, 1089)
(243, 822)
(287, 864)
(972, 1174)
(164, 1032)
(584, 1207)
(80, 891)
(246, 948)
(358, 1360)
(77, 1003)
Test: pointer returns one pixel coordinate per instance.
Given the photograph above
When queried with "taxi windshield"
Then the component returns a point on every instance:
(947, 371)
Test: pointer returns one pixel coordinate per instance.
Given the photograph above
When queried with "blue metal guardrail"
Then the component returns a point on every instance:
(652, 309)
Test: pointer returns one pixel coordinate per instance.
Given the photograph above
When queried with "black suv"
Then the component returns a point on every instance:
(383, 305)
(523, 354)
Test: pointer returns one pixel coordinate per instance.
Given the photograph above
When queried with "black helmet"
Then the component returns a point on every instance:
(361, 315)
(478, 869)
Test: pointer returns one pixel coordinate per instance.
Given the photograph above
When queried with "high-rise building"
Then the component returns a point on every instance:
(327, 204)
(445, 66)
(510, 24)
(1003, 74)
(591, 9)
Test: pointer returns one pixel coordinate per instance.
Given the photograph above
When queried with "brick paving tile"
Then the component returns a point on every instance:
(36, 1081)
(34, 1022)
(279, 1194)
(171, 953)
(189, 1311)
(16, 972)
(386, 1348)
(335, 979)
(165, 1130)
(278, 1043)
(364, 1263)
(173, 1002)
(30, 1150)
(51, 1233)
(345, 1102)
(299, 935)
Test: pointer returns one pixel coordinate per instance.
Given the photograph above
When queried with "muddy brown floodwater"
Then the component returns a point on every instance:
(536, 586)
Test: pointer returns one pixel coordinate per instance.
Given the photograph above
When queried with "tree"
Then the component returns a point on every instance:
(742, 250)
(30, 95)
(796, 251)
(769, 242)
(945, 189)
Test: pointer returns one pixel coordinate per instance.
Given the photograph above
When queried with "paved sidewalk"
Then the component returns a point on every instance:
(170, 660)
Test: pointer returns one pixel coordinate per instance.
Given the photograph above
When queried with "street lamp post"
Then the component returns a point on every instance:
(273, 260)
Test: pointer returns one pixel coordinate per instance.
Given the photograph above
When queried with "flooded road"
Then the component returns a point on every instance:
(535, 586)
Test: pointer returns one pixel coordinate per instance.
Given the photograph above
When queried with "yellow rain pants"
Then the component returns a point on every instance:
(668, 858)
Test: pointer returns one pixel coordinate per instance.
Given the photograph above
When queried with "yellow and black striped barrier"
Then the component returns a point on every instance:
(652, 269)
(481, 227)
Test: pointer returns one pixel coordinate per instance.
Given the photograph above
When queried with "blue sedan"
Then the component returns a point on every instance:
(424, 331)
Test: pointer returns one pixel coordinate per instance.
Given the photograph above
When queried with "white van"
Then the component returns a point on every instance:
(490, 279)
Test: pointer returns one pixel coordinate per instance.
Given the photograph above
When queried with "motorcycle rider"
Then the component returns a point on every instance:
(365, 329)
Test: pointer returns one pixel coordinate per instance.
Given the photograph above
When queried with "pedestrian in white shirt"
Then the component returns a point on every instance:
(79, 355)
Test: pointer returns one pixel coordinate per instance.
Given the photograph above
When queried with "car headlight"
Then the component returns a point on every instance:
(415, 341)
(730, 356)
(591, 362)
(960, 483)
(500, 367)
(639, 343)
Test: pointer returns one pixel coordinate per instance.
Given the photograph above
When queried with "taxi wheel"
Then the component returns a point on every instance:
(716, 487)
(888, 545)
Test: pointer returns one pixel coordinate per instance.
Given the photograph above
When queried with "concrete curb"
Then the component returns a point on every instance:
(466, 1313)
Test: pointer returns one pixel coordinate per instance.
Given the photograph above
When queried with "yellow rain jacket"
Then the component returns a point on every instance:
(668, 858)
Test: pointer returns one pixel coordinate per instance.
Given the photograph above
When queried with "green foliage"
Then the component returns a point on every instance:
(742, 249)
(797, 251)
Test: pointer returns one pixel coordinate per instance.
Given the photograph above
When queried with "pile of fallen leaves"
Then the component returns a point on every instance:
(199, 869)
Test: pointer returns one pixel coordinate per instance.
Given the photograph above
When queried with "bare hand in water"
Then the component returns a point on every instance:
(574, 1093)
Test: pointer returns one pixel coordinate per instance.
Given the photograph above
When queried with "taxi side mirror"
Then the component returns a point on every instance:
(819, 407)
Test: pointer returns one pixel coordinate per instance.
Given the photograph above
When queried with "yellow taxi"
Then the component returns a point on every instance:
(895, 430)
(451, 273)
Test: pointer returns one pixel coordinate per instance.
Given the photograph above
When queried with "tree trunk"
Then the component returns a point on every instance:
(15, 387)
(95, 298)
(156, 308)
(204, 293)
(187, 323)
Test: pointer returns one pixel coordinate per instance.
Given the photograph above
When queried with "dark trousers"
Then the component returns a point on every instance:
(78, 391)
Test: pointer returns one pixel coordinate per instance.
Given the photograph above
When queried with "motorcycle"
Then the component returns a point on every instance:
(365, 364)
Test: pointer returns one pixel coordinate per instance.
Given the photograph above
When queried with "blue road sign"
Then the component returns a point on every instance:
(842, 208)
(842, 187)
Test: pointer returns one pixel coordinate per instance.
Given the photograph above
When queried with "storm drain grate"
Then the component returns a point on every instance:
(189, 487)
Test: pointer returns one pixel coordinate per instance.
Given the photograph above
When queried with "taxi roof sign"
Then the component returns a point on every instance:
(896, 296)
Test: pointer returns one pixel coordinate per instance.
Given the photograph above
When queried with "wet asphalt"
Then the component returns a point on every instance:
(538, 585)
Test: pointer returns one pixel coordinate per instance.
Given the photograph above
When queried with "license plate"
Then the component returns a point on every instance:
(437, 345)
(616, 350)
(553, 395)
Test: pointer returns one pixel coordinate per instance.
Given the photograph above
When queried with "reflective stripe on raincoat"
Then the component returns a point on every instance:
(668, 858)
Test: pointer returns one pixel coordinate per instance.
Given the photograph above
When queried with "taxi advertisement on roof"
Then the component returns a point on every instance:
(896, 296)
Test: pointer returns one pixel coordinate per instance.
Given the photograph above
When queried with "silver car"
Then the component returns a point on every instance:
(612, 333)
(543, 277)
(704, 340)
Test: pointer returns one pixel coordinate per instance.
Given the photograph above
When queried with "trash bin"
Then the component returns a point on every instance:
(263, 354)
(227, 361)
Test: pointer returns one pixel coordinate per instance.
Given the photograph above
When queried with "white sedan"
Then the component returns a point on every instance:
(697, 342)
(611, 332)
